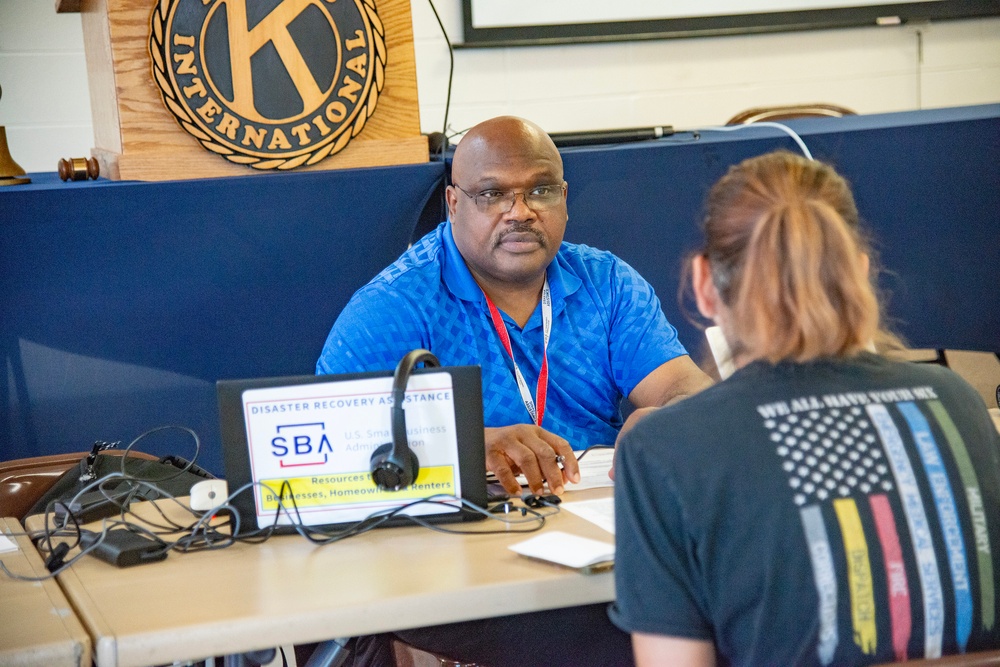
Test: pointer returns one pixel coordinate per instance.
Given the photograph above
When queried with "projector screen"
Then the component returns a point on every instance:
(530, 22)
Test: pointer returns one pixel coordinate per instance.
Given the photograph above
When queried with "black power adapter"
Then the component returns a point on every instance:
(123, 548)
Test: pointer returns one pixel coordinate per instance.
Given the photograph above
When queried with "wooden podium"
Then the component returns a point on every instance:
(141, 131)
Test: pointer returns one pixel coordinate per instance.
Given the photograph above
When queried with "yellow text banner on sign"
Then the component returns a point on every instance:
(342, 489)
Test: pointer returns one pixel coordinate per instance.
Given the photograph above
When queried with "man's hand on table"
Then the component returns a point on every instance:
(532, 451)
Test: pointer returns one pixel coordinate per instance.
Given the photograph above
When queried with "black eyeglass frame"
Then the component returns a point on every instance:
(524, 196)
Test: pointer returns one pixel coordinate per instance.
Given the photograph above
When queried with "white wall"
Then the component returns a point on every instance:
(686, 83)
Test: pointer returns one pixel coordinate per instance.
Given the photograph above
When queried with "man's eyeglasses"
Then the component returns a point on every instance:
(498, 202)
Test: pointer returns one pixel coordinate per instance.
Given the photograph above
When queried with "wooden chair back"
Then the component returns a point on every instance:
(24, 481)
(817, 110)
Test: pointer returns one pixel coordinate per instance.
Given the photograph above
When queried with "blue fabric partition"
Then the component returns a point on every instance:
(124, 302)
(927, 184)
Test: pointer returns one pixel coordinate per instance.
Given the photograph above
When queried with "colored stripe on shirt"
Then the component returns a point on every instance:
(825, 578)
(974, 497)
(859, 575)
(895, 574)
(951, 528)
(920, 534)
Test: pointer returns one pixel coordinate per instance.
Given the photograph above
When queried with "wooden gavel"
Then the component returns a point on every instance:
(78, 169)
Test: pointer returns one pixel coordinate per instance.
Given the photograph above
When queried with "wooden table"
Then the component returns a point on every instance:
(288, 590)
(37, 624)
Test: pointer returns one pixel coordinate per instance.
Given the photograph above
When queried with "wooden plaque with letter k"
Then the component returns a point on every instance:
(205, 88)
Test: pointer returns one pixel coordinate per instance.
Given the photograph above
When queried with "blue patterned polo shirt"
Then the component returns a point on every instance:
(608, 333)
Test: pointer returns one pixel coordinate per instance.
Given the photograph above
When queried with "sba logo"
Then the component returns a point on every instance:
(297, 445)
(273, 84)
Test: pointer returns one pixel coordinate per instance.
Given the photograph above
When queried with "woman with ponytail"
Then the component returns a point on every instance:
(824, 505)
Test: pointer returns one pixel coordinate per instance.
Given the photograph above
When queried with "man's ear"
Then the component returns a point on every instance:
(451, 197)
(705, 294)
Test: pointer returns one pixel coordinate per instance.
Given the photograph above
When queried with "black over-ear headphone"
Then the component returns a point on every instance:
(394, 465)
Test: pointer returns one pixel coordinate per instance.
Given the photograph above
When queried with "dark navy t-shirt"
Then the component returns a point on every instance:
(828, 513)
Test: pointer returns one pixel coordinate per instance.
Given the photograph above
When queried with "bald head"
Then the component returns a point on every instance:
(502, 139)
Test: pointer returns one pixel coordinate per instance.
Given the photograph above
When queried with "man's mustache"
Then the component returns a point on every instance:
(521, 229)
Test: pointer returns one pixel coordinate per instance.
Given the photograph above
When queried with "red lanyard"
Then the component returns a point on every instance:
(543, 375)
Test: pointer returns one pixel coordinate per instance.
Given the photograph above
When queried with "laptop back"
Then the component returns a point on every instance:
(302, 447)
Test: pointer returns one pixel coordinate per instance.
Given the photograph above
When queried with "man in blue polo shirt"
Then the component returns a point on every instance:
(562, 331)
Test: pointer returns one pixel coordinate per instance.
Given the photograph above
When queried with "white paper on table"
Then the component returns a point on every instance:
(6, 544)
(593, 470)
(566, 549)
(600, 511)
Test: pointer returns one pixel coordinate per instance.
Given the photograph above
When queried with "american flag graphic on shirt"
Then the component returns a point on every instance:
(845, 455)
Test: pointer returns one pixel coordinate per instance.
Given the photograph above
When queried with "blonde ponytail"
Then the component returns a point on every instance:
(787, 259)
